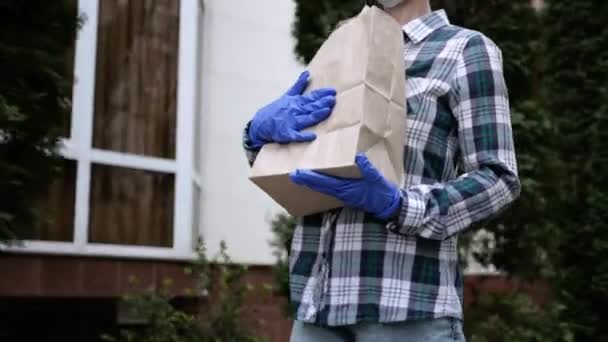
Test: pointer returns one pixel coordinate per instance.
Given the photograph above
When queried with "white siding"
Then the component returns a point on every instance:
(248, 60)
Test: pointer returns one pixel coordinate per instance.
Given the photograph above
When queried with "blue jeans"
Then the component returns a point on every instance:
(436, 330)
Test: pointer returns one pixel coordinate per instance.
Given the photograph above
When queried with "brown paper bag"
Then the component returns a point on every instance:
(363, 60)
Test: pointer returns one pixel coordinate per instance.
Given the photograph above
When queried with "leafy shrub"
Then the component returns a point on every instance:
(282, 227)
(514, 317)
(221, 281)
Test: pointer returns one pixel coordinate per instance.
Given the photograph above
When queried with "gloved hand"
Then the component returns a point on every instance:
(372, 193)
(282, 120)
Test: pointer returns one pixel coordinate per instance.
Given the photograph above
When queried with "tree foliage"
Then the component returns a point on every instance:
(555, 68)
(35, 37)
(315, 20)
(575, 72)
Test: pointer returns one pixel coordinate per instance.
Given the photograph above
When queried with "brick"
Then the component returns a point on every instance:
(171, 277)
(137, 276)
(101, 278)
(268, 321)
(61, 277)
(20, 275)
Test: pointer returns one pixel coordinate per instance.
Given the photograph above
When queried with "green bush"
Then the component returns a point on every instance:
(221, 281)
(514, 317)
(282, 227)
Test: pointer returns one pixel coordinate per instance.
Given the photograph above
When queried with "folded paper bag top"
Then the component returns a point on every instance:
(363, 60)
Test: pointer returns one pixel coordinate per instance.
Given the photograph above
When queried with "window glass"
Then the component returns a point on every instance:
(131, 207)
(136, 77)
(56, 208)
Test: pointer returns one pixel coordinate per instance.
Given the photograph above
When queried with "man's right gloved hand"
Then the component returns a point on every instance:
(282, 120)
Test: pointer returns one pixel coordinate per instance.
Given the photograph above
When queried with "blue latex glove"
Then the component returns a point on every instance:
(372, 193)
(282, 120)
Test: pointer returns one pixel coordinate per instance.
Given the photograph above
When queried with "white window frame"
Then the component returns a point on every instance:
(79, 147)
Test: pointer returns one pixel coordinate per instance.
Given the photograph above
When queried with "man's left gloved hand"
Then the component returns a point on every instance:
(372, 193)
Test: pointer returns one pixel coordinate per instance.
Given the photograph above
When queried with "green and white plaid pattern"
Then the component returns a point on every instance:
(347, 266)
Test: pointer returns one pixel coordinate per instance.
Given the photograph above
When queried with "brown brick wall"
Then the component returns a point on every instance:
(25, 275)
(266, 311)
(84, 283)
(38, 284)
(475, 285)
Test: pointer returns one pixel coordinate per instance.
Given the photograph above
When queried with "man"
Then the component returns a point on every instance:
(385, 267)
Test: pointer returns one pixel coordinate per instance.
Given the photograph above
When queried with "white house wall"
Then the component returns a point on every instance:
(247, 60)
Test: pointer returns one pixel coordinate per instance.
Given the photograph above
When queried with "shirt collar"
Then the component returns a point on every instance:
(420, 28)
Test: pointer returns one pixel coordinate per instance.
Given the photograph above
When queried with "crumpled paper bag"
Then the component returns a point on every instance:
(363, 60)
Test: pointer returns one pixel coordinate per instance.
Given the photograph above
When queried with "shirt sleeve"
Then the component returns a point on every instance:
(250, 152)
(479, 102)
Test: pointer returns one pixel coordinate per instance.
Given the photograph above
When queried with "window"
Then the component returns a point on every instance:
(131, 186)
(131, 207)
(136, 77)
(58, 205)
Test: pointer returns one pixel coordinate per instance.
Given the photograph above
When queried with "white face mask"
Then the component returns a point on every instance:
(388, 4)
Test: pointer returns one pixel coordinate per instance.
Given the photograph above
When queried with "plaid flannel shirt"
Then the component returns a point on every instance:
(346, 266)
